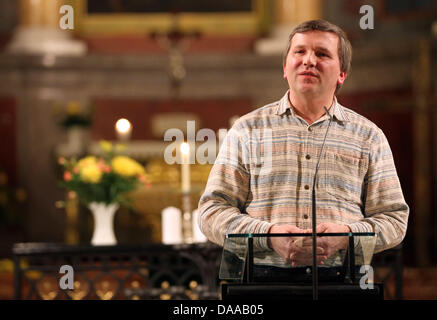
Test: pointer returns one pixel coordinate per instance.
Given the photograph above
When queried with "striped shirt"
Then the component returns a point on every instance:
(264, 172)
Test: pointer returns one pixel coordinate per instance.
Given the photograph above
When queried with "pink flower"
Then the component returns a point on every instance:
(144, 181)
(67, 176)
(101, 163)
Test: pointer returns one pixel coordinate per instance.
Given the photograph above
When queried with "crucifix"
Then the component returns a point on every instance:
(175, 42)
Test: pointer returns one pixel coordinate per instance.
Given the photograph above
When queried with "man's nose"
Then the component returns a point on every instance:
(309, 59)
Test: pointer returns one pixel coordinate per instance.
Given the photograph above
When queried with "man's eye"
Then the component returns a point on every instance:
(322, 54)
(299, 51)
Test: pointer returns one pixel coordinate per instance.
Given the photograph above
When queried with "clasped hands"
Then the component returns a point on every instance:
(298, 251)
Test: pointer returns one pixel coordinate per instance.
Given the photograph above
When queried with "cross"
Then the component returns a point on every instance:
(175, 42)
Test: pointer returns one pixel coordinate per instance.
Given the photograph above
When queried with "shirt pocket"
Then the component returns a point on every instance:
(344, 176)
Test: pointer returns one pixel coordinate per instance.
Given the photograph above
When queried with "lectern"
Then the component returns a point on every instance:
(250, 270)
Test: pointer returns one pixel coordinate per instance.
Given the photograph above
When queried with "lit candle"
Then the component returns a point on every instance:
(171, 226)
(198, 235)
(123, 129)
(186, 183)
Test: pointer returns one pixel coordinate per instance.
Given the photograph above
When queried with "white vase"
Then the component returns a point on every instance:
(103, 214)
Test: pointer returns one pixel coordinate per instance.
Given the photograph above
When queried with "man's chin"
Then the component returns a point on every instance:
(307, 89)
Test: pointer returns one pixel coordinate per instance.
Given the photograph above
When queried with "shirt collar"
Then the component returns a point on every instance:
(336, 109)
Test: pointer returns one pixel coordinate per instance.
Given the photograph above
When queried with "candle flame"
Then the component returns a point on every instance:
(123, 125)
(185, 148)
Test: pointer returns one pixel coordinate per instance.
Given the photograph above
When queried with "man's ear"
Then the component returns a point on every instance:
(285, 75)
(341, 77)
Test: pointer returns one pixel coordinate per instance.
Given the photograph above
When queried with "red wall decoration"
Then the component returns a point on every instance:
(213, 113)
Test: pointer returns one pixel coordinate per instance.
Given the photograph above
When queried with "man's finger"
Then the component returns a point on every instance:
(309, 242)
(307, 261)
(321, 228)
(308, 249)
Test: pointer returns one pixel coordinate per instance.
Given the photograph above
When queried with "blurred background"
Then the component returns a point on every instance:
(161, 63)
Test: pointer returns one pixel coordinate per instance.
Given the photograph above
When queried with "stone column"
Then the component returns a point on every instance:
(39, 32)
(294, 11)
(421, 76)
(288, 14)
(433, 107)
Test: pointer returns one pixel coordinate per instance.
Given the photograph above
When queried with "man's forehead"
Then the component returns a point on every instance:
(319, 38)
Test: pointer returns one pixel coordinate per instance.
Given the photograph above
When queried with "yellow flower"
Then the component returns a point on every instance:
(87, 161)
(73, 108)
(126, 167)
(106, 146)
(91, 173)
(88, 169)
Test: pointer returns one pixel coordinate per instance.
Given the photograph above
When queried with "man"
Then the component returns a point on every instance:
(357, 185)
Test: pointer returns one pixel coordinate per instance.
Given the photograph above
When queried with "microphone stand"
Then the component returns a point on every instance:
(314, 220)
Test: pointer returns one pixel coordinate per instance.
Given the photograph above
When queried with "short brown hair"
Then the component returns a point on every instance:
(344, 45)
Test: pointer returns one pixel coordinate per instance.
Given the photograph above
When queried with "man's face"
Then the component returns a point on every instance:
(312, 66)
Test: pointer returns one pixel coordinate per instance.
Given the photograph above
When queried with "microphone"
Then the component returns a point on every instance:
(314, 220)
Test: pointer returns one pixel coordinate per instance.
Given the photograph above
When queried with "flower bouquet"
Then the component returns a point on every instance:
(73, 114)
(103, 183)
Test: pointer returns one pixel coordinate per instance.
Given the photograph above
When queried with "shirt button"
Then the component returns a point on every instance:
(307, 187)
(305, 216)
(308, 157)
(310, 129)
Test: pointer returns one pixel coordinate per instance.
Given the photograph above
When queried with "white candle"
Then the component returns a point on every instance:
(171, 226)
(123, 129)
(186, 181)
(198, 235)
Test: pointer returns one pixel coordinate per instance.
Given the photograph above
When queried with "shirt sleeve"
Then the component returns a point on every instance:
(223, 203)
(386, 212)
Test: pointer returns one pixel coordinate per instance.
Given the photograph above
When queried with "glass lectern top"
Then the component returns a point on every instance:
(293, 254)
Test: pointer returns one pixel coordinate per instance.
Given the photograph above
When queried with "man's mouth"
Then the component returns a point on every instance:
(308, 73)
